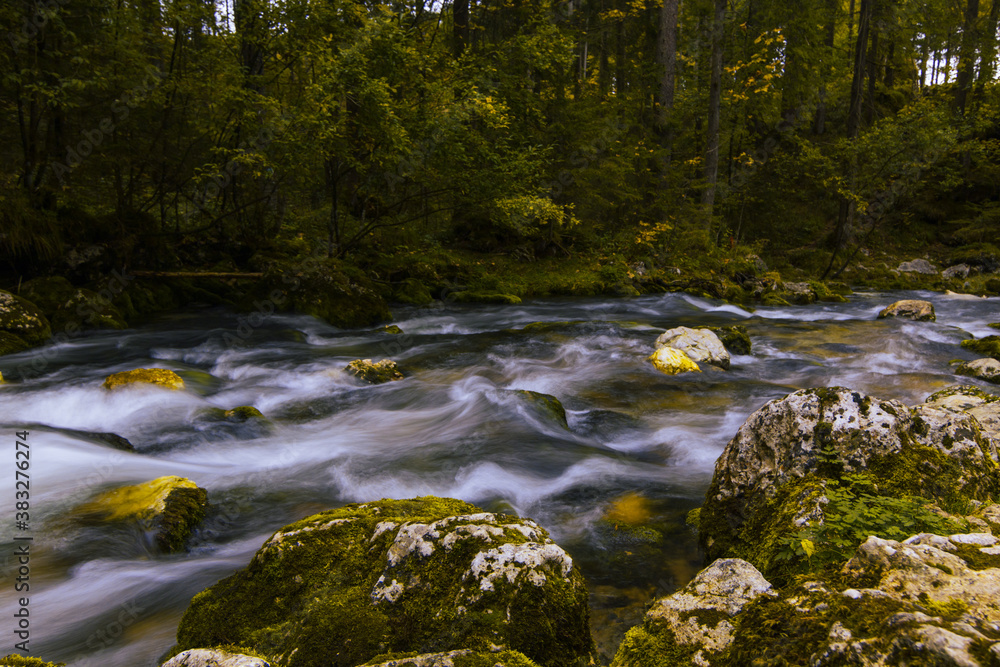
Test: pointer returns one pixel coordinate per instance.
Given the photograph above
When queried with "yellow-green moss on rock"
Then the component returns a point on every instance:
(11, 343)
(457, 658)
(484, 297)
(988, 346)
(546, 405)
(170, 507)
(157, 376)
(23, 319)
(376, 372)
(427, 575)
(14, 660)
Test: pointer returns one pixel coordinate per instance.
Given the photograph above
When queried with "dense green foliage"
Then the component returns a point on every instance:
(210, 134)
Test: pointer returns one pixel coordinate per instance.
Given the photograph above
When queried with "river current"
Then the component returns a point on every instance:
(639, 450)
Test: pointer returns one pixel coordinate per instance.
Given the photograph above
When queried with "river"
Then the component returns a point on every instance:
(640, 446)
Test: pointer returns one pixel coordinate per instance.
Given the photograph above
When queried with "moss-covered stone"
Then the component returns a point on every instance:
(735, 338)
(70, 308)
(984, 369)
(546, 405)
(215, 658)
(413, 292)
(390, 329)
(988, 346)
(371, 372)
(426, 575)
(321, 288)
(243, 413)
(771, 480)
(909, 309)
(11, 344)
(169, 507)
(14, 660)
(484, 297)
(161, 377)
(457, 658)
(23, 319)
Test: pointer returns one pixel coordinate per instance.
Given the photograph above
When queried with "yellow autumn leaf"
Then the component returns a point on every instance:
(809, 548)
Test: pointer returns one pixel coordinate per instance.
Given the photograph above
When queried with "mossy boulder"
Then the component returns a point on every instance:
(735, 338)
(700, 345)
(201, 657)
(413, 292)
(377, 372)
(984, 369)
(167, 507)
(988, 346)
(23, 319)
(14, 660)
(243, 413)
(695, 625)
(458, 658)
(672, 361)
(390, 329)
(321, 288)
(909, 309)
(72, 308)
(11, 343)
(771, 479)
(483, 297)
(428, 575)
(546, 406)
(160, 377)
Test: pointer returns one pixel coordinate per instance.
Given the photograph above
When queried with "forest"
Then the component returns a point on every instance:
(401, 138)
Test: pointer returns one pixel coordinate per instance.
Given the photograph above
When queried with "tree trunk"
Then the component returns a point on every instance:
(666, 58)
(967, 56)
(819, 123)
(461, 26)
(988, 52)
(714, 100)
(846, 214)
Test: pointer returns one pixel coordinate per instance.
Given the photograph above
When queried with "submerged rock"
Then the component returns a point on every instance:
(670, 361)
(701, 345)
(243, 413)
(169, 507)
(546, 405)
(374, 372)
(770, 479)
(201, 657)
(984, 369)
(910, 309)
(694, 625)
(157, 376)
(988, 346)
(23, 319)
(426, 575)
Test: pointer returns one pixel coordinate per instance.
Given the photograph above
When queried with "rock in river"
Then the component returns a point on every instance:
(374, 372)
(984, 369)
(771, 478)
(425, 575)
(910, 309)
(701, 345)
(156, 376)
(170, 507)
(670, 361)
(201, 657)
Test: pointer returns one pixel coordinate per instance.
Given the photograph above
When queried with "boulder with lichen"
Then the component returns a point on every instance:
(909, 309)
(23, 319)
(425, 575)
(701, 345)
(160, 377)
(374, 372)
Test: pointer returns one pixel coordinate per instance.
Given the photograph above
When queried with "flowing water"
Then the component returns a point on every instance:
(639, 450)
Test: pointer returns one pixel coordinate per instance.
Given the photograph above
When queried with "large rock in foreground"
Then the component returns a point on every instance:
(910, 309)
(425, 575)
(694, 624)
(772, 477)
(701, 345)
(201, 657)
